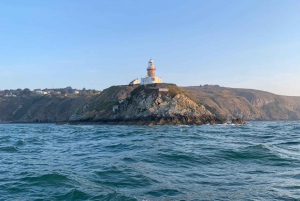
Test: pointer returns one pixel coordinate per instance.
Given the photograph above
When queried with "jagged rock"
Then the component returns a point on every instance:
(238, 121)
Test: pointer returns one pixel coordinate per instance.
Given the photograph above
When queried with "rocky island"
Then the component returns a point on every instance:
(152, 104)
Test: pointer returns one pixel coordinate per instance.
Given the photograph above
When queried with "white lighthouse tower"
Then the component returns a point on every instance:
(150, 77)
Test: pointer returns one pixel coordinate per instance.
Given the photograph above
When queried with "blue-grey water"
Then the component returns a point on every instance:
(259, 161)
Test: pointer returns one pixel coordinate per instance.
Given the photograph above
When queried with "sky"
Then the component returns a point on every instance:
(95, 44)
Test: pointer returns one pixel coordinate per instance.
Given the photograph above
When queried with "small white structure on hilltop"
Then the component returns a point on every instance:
(135, 81)
(40, 92)
(150, 77)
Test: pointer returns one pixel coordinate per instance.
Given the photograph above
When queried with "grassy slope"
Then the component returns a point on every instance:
(110, 97)
(247, 103)
(57, 108)
(38, 108)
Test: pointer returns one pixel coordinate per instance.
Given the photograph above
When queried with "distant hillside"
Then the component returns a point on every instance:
(38, 108)
(55, 108)
(226, 103)
(248, 104)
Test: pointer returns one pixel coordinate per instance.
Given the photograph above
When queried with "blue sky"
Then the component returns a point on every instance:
(97, 43)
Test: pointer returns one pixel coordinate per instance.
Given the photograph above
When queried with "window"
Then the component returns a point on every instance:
(153, 79)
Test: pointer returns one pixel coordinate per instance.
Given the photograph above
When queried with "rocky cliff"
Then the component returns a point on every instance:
(155, 104)
(247, 104)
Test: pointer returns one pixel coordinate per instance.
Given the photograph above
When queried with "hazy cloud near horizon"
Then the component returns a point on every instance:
(96, 44)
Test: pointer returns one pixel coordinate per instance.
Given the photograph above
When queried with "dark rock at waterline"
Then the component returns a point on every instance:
(238, 121)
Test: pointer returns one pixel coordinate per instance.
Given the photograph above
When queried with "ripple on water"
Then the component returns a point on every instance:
(122, 178)
(177, 158)
(120, 147)
(114, 196)
(35, 140)
(165, 192)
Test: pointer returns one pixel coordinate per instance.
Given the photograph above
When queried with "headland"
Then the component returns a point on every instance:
(147, 101)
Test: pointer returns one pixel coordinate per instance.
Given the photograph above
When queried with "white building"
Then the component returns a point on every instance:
(40, 92)
(150, 77)
(10, 95)
(135, 81)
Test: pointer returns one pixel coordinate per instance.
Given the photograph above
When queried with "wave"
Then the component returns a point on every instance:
(20, 143)
(46, 177)
(114, 197)
(296, 128)
(166, 192)
(53, 179)
(129, 159)
(290, 143)
(74, 194)
(5, 138)
(9, 149)
(119, 147)
(35, 141)
(250, 152)
(181, 159)
(177, 157)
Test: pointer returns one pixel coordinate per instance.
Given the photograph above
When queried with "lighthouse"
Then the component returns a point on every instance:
(150, 77)
(151, 69)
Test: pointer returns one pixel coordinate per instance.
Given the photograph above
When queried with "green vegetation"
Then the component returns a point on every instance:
(110, 97)
(106, 105)
(174, 90)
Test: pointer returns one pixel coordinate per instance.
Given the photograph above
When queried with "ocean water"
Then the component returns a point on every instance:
(259, 161)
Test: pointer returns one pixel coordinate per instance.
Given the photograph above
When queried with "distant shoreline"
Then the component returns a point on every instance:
(114, 123)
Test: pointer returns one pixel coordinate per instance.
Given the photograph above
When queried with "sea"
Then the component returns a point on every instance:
(258, 161)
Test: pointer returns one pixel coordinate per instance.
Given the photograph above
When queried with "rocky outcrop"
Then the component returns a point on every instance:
(238, 121)
(147, 105)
